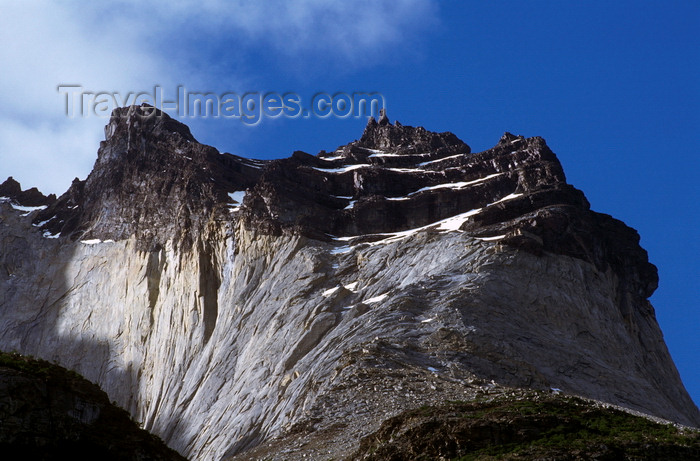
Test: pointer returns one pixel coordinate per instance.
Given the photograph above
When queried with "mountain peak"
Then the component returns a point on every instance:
(145, 118)
(400, 270)
(12, 190)
(151, 179)
(384, 135)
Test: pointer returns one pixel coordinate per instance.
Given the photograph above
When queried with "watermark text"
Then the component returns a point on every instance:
(249, 107)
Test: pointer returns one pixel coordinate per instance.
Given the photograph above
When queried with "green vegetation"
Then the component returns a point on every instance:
(48, 412)
(530, 426)
(36, 367)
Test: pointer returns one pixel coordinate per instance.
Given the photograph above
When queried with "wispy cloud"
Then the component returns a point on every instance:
(128, 45)
(347, 28)
(45, 45)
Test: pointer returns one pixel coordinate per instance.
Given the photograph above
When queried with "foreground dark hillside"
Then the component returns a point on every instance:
(48, 412)
(502, 424)
(537, 426)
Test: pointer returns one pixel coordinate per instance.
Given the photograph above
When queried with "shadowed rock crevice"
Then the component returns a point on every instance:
(154, 272)
(209, 282)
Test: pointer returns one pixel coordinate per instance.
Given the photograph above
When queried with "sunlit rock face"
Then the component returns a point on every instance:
(228, 303)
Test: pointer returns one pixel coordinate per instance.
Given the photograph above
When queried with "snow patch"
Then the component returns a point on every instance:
(457, 185)
(495, 237)
(455, 222)
(96, 241)
(48, 235)
(451, 224)
(352, 287)
(28, 209)
(441, 159)
(452, 185)
(341, 250)
(43, 222)
(342, 169)
(330, 159)
(383, 154)
(408, 170)
(249, 162)
(507, 197)
(343, 239)
(329, 292)
(377, 299)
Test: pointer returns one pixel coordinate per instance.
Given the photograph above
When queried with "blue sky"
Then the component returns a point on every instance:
(613, 87)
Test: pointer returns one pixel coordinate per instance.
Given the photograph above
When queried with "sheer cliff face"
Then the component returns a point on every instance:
(397, 271)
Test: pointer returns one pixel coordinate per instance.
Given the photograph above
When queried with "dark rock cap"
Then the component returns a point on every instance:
(397, 137)
(152, 179)
(30, 197)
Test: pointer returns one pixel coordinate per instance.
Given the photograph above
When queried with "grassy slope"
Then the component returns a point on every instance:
(533, 426)
(33, 390)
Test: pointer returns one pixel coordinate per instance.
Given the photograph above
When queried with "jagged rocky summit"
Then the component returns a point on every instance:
(232, 304)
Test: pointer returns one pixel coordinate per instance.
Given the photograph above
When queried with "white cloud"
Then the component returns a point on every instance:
(51, 45)
(129, 45)
(45, 155)
(349, 28)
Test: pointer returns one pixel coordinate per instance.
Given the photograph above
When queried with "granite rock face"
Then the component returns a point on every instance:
(230, 303)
